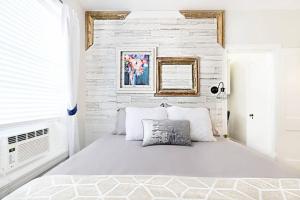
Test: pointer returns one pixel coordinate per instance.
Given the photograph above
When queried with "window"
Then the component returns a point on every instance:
(31, 70)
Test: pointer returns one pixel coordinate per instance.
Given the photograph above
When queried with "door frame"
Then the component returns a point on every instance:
(274, 49)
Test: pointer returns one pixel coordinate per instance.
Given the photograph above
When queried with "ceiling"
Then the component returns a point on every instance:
(143, 5)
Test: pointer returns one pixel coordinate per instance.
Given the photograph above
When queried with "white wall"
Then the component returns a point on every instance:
(263, 27)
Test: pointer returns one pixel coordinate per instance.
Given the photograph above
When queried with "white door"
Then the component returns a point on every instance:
(253, 99)
(260, 103)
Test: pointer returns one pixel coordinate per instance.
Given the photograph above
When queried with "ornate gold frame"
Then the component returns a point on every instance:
(202, 14)
(91, 16)
(194, 61)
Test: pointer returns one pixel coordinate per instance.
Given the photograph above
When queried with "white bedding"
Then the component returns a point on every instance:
(156, 188)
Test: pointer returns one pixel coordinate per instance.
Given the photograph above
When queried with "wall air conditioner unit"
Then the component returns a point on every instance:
(17, 150)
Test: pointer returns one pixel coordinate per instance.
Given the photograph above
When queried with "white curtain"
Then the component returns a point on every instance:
(71, 34)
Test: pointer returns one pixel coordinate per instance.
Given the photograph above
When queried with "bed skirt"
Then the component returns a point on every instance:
(64, 187)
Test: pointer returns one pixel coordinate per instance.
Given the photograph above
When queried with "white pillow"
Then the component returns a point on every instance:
(134, 117)
(200, 123)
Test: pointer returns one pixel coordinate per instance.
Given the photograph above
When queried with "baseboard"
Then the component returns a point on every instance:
(37, 171)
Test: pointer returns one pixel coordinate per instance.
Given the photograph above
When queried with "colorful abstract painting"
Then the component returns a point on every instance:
(135, 68)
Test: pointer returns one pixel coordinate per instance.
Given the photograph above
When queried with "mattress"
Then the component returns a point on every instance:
(113, 155)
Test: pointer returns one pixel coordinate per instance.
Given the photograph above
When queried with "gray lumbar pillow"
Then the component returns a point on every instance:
(176, 132)
(120, 123)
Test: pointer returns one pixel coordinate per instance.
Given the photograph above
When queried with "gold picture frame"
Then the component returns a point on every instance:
(219, 15)
(91, 16)
(193, 62)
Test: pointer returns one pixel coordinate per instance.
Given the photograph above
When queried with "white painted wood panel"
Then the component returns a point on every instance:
(172, 37)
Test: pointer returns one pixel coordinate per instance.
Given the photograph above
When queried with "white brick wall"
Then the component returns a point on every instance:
(173, 37)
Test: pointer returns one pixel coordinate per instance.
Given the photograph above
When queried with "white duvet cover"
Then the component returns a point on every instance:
(63, 187)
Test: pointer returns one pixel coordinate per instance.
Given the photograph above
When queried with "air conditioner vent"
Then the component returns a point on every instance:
(39, 132)
(21, 137)
(32, 148)
(30, 135)
(23, 148)
(12, 140)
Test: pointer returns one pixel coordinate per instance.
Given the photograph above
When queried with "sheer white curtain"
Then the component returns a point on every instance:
(71, 35)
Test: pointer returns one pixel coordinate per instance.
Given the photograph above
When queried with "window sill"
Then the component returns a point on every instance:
(30, 122)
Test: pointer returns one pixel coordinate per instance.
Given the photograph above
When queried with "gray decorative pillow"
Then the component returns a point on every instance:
(176, 132)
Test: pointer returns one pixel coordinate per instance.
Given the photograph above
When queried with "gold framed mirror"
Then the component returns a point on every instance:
(177, 76)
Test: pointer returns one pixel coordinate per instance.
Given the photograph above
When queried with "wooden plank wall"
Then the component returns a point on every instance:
(173, 37)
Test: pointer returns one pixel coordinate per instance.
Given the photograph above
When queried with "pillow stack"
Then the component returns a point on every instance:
(171, 125)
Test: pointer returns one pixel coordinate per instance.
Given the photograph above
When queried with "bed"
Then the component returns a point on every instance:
(113, 168)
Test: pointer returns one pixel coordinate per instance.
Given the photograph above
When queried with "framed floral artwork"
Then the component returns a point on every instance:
(136, 70)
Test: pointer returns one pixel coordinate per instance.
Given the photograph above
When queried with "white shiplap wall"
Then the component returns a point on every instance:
(172, 37)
